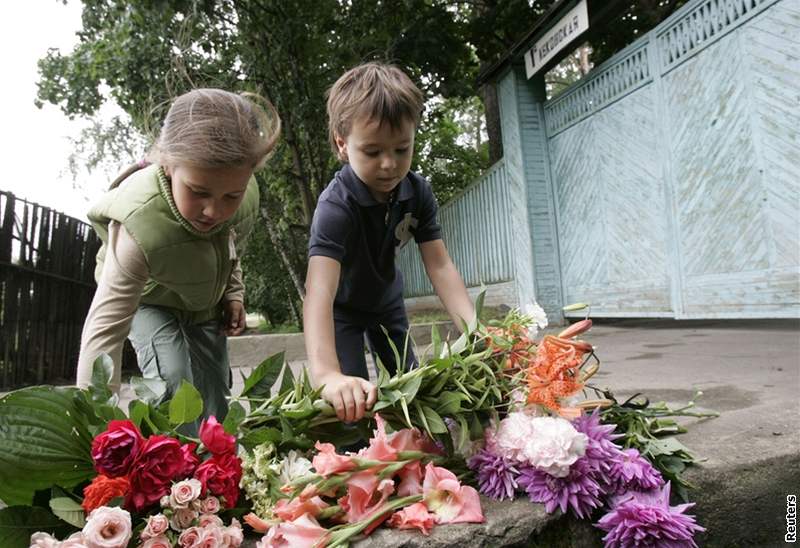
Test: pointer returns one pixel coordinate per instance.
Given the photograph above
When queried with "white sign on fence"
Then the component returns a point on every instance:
(562, 33)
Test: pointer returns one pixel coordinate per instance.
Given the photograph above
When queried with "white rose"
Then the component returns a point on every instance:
(184, 492)
(75, 540)
(107, 528)
(554, 446)
(43, 540)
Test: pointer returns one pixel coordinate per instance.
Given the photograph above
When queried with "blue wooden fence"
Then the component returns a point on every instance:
(477, 235)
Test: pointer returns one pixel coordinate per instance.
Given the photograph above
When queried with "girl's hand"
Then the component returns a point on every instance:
(350, 396)
(233, 318)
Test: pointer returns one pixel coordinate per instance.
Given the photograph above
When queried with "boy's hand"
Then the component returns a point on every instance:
(350, 396)
(233, 318)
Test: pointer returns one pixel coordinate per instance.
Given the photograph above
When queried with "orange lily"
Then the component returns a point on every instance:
(554, 373)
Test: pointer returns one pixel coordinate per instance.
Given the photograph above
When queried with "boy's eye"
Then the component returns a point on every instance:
(233, 196)
(200, 193)
(402, 150)
(371, 153)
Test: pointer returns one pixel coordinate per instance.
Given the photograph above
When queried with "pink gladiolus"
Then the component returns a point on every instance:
(410, 479)
(290, 510)
(385, 447)
(304, 531)
(328, 462)
(415, 516)
(365, 494)
(448, 499)
(256, 523)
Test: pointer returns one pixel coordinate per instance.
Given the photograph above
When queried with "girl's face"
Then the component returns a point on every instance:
(379, 154)
(207, 197)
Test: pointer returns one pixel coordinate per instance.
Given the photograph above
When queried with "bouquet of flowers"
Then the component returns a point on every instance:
(494, 409)
(120, 487)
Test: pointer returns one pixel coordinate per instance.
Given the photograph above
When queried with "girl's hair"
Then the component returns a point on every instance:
(376, 91)
(213, 128)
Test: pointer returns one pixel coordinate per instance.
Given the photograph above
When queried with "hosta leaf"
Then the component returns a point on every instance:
(45, 441)
(186, 405)
(18, 523)
(68, 510)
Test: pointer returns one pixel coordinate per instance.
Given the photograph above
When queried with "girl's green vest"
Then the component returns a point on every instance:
(189, 269)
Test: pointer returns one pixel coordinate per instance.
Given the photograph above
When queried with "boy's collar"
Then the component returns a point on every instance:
(364, 197)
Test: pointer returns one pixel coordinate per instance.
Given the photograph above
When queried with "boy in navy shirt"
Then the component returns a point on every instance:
(370, 210)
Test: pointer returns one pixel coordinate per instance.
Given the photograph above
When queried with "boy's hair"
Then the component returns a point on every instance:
(212, 128)
(376, 91)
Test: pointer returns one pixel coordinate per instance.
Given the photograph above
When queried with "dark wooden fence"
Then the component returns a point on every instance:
(47, 264)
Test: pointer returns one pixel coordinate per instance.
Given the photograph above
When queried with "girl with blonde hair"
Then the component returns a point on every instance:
(173, 229)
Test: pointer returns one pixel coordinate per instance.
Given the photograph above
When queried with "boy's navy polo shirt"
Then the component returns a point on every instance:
(364, 235)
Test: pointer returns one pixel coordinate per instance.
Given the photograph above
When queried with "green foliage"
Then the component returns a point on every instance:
(186, 405)
(18, 523)
(46, 441)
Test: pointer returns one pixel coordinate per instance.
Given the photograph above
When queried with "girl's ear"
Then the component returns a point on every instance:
(341, 146)
(168, 172)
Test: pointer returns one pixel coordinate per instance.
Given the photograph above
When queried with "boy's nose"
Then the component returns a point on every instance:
(388, 161)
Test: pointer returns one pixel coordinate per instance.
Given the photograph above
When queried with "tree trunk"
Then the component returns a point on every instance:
(279, 247)
(491, 105)
(301, 179)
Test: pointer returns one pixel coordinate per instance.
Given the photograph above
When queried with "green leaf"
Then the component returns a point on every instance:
(45, 441)
(436, 341)
(68, 510)
(404, 407)
(666, 446)
(302, 410)
(260, 381)
(449, 403)
(18, 523)
(235, 416)
(149, 390)
(479, 302)
(437, 425)
(186, 405)
(102, 371)
(411, 387)
(463, 431)
(287, 379)
(262, 435)
(401, 364)
(137, 411)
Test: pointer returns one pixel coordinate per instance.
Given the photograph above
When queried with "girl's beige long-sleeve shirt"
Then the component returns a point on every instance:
(119, 289)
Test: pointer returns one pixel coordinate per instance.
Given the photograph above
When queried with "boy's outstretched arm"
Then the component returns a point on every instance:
(447, 282)
(350, 396)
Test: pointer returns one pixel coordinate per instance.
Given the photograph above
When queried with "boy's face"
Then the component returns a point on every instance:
(379, 154)
(207, 197)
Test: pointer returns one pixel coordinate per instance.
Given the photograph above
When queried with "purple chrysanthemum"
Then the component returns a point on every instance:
(579, 490)
(601, 451)
(645, 520)
(496, 475)
(631, 471)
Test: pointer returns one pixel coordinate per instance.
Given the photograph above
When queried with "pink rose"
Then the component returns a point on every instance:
(209, 520)
(190, 537)
(184, 492)
(210, 537)
(114, 450)
(161, 541)
(107, 528)
(156, 525)
(221, 475)
(210, 505)
(213, 436)
(182, 518)
(415, 516)
(232, 536)
(160, 461)
(328, 462)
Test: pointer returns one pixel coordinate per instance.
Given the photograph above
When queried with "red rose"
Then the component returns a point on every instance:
(213, 436)
(160, 461)
(190, 460)
(114, 450)
(220, 476)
